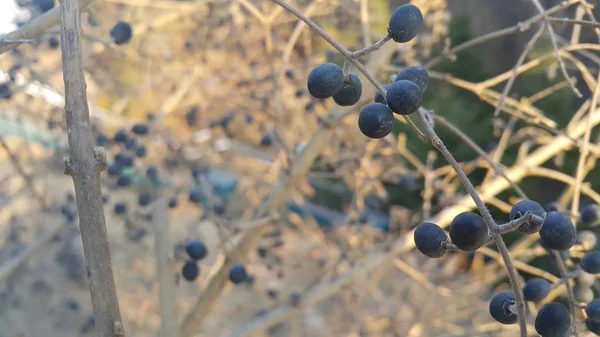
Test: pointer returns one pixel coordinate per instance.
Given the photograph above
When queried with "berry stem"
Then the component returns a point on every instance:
(485, 213)
(564, 275)
(371, 48)
(347, 54)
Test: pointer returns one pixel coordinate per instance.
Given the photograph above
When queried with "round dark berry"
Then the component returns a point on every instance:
(587, 239)
(557, 232)
(429, 239)
(379, 98)
(289, 74)
(191, 116)
(144, 199)
(266, 140)
(536, 289)
(173, 202)
(131, 144)
(190, 270)
(593, 326)
(552, 207)
(105, 199)
(417, 75)
(593, 310)
(114, 169)
(140, 151)
(152, 173)
(120, 137)
(468, 231)
(405, 23)
(196, 249)
(124, 181)
(325, 80)
(309, 107)
(53, 43)
(196, 195)
(522, 207)
(553, 320)
(350, 93)
(121, 32)
(102, 140)
(590, 262)
(120, 208)
(376, 120)
(140, 129)
(124, 159)
(503, 309)
(403, 97)
(238, 274)
(5, 91)
(300, 93)
(589, 214)
(583, 293)
(44, 5)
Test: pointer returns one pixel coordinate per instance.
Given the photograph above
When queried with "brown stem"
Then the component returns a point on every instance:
(84, 166)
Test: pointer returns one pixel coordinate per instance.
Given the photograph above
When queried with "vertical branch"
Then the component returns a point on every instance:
(84, 166)
(164, 269)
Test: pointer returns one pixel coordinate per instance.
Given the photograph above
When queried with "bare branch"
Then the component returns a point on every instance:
(84, 168)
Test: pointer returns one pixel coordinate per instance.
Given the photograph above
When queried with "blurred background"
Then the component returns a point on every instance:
(223, 86)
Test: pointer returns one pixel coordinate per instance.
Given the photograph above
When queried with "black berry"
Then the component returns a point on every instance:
(429, 239)
(502, 308)
(403, 97)
(379, 98)
(557, 232)
(325, 80)
(44, 5)
(144, 199)
(590, 262)
(593, 326)
(53, 43)
(114, 169)
(121, 32)
(376, 120)
(553, 320)
(190, 270)
(196, 195)
(5, 91)
(589, 214)
(124, 181)
(468, 231)
(238, 274)
(120, 208)
(140, 151)
(173, 202)
(350, 92)
(405, 23)
(196, 249)
(140, 129)
(417, 75)
(152, 173)
(536, 289)
(593, 310)
(522, 207)
(120, 137)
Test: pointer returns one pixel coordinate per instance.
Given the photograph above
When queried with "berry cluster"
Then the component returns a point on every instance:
(403, 97)
(468, 232)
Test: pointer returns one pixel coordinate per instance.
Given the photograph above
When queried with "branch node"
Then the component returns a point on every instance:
(100, 156)
(68, 166)
(118, 329)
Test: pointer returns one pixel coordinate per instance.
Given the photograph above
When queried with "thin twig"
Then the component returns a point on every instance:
(576, 22)
(552, 34)
(508, 86)
(84, 166)
(165, 273)
(34, 28)
(518, 28)
(487, 217)
(371, 48)
(347, 54)
(585, 149)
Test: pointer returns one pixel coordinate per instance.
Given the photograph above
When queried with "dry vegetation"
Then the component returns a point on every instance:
(228, 61)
